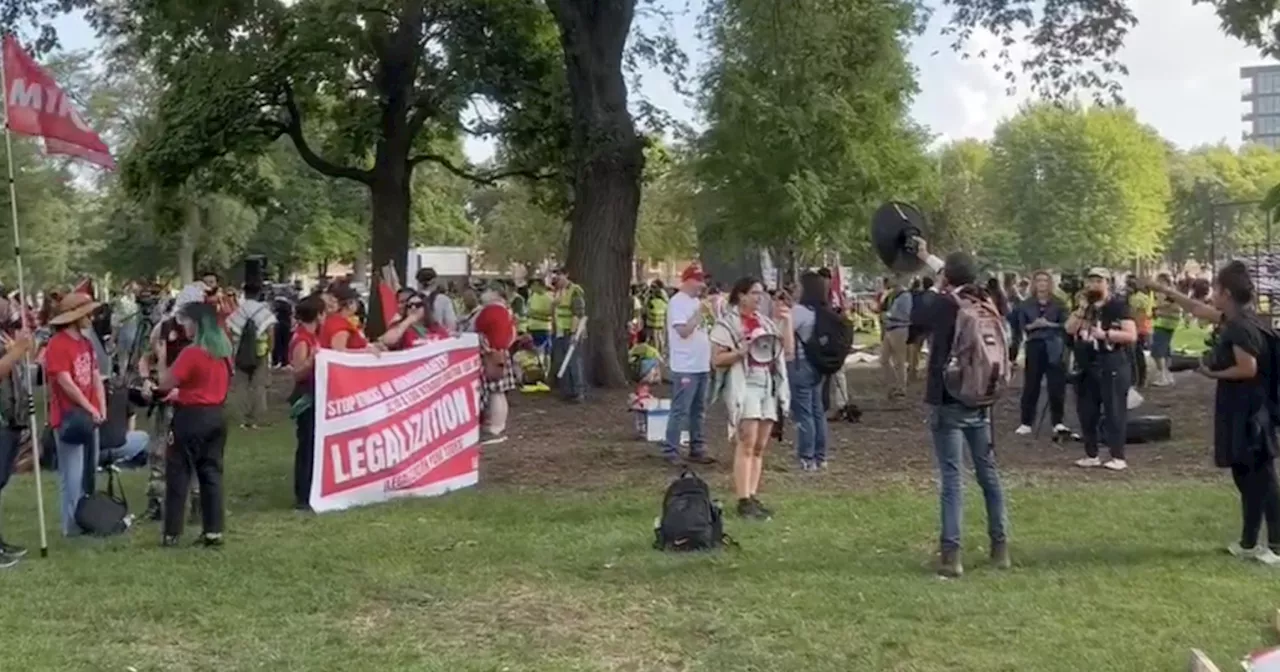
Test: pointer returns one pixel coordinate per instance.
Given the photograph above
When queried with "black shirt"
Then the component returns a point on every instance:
(940, 321)
(1108, 316)
(1241, 427)
(1032, 309)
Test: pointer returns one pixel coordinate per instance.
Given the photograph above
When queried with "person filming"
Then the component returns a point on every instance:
(1104, 332)
(197, 386)
(1244, 438)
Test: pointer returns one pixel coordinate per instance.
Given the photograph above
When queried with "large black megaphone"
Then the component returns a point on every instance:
(893, 228)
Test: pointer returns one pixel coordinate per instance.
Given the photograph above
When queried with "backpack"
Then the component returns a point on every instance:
(247, 356)
(104, 514)
(115, 431)
(977, 372)
(830, 342)
(690, 520)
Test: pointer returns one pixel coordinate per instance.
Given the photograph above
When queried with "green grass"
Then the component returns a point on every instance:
(1105, 578)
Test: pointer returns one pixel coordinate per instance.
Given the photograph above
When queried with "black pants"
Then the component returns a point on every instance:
(199, 438)
(1259, 499)
(1101, 394)
(1039, 367)
(304, 456)
(280, 349)
(1139, 355)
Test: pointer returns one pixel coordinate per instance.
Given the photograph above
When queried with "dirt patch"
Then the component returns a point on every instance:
(587, 446)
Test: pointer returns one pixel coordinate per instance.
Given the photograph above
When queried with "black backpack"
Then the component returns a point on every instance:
(691, 520)
(104, 514)
(247, 348)
(830, 342)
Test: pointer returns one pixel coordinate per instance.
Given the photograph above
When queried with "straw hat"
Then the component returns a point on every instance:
(72, 308)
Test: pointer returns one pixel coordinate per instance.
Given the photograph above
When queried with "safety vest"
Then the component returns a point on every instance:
(657, 317)
(520, 308)
(564, 309)
(539, 310)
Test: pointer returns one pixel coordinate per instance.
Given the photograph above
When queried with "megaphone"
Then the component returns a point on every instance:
(893, 229)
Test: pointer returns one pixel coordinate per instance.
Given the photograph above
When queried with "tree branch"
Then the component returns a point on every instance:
(487, 178)
(293, 128)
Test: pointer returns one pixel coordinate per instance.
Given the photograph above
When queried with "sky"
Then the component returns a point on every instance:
(1183, 76)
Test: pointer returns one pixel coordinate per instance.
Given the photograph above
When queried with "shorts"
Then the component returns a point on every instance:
(759, 403)
(1162, 344)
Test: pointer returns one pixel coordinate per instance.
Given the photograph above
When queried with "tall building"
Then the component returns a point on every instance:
(1263, 97)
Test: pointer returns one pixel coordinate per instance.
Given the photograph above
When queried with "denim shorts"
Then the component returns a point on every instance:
(1162, 344)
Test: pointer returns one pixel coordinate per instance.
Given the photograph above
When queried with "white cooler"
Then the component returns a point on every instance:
(651, 420)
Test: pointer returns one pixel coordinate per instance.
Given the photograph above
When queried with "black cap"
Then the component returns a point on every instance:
(425, 275)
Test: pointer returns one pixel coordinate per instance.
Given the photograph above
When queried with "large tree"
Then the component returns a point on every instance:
(364, 91)
(1080, 186)
(962, 216)
(808, 127)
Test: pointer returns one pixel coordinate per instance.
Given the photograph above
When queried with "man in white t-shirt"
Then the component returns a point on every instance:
(690, 360)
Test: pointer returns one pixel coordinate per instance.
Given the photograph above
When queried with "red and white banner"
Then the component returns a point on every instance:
(403, 424)
(36, 105)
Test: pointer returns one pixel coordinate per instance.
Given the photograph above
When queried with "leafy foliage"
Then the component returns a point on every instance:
(808, 127)
(1080, 187)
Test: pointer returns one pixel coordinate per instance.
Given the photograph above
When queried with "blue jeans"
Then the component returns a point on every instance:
(573, 385)
(688, 405)
(135, 443)
(953, 426)
(807, 410)
(71, 475)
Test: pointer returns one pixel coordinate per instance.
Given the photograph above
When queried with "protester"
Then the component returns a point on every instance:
(750, 351)
(917, 334)
(570, 309)
(302, 352)
(167, 340)
(953, 425)
(895, 322)
(808, 411)
(282, 306)
(1104, 332)
(340, 330)
(1244, 438)
(686, 316)
(656, 305)
(442, 309)
(1141, 305)
(77, 402)
(1043, 318)
(540, 316)
(414, 325)
(496, 326)
(1168, 316)
(125, 320)
(15, 349)
(256, 367)
(197, 387)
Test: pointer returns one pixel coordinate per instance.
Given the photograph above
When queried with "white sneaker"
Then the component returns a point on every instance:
(1061, 429)
(1116, 465)
(1087, 462)
(1259, 552)
(1022, 430)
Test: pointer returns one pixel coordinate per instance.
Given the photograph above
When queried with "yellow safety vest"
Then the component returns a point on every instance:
(657, 317)
(539, 309)
(564, 309)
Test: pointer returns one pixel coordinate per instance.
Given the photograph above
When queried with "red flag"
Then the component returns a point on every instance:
(36, 105)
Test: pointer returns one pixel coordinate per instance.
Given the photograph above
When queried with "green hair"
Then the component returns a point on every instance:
(208, 335)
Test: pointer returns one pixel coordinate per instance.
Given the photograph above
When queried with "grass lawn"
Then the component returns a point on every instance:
(1122, 577)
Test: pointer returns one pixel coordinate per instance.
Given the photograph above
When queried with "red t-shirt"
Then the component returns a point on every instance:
(202, 379)
(338, 324)
(71, 353)
(304, 335)
(412, 338)
(497, 324)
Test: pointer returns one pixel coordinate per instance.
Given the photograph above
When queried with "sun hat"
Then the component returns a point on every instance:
(73, 307)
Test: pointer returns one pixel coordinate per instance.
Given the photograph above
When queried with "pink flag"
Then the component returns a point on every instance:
(36, 105)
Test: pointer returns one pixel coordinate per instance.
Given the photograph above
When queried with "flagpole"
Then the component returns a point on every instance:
(22, 294)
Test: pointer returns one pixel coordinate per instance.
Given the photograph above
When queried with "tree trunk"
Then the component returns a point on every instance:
(360, 266)
(390, 227)
(608, 158)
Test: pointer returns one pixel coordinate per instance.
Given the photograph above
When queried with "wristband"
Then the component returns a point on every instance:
(935, 263)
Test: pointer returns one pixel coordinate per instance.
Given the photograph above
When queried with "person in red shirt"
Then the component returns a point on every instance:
(415, 326)
(302, 356)
(339, 331)
(196, 385)
(496, 325)
(77, 402)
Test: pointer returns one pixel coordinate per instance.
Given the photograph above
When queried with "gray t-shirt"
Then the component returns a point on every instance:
(442, 309)
(803, 319)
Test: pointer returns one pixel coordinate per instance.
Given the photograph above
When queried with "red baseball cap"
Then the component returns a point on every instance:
(692, 273)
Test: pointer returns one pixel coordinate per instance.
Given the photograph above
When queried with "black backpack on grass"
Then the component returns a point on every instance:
(691, 520)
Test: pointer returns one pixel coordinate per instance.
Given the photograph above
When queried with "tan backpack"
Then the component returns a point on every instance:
(977, 372)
